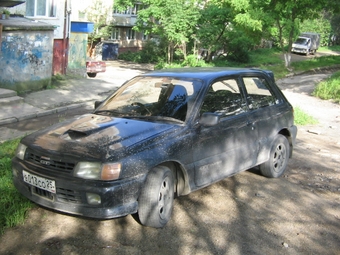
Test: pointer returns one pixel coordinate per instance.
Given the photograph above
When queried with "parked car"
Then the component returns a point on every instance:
(160, 135)
(306, 43)
(94, 66)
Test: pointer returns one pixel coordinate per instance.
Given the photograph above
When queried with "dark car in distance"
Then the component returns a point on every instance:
(160, 135)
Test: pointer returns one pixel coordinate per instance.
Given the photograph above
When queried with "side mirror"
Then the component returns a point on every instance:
(209, 119)
(97, 103)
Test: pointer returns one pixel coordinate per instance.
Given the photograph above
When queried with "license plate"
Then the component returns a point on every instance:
(39, 182)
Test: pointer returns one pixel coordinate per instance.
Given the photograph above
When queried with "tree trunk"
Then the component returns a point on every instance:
(169, 54)
(184, 46)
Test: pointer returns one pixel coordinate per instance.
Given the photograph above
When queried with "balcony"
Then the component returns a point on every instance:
(123, 20)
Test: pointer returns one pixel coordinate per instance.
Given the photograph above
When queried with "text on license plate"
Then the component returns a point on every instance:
(39, 182)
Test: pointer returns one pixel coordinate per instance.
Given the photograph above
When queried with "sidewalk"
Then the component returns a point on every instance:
(71, 95)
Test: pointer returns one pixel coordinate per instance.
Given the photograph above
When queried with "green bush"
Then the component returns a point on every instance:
(193, 61)
(238, 49)
(149, 54)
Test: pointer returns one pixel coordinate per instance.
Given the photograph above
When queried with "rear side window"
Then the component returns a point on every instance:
(258, 93)
(224, 98)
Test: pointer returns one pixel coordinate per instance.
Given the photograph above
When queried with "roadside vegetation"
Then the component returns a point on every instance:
(13, 206)
(329, 89)
(301, 118)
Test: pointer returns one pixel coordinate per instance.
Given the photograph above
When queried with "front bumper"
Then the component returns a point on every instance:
(118, 198)
(299, 50)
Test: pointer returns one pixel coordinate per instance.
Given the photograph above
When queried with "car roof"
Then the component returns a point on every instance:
(205, 73)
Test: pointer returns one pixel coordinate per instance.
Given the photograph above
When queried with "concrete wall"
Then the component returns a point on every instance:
(26, 59)
(77, 54)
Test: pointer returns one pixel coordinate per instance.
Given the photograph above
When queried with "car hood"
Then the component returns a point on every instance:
(95, 137)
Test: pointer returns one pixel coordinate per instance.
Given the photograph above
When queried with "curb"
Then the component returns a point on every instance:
(314, 70)
(41, 114)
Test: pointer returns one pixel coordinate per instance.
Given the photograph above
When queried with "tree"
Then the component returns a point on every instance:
(172, 21)
(286, 14)
(231, 26)
(321, 25)
(100, 13)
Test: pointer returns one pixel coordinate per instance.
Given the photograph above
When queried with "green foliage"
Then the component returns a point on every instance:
(150, 53)
(302, 118)
(330, 48)
(329, 89)
(172, 20)
(309, 64)
(13, 205)
(319, 25)
(193, 61)
(98, 12)
(239, 47)
(286, 15)
(265, 56)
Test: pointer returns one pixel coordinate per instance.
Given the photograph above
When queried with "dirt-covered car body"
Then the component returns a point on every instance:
(162, 134)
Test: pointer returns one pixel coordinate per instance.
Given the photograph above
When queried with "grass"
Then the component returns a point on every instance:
(329, 89)
(330, 48)
(301, 118)
(13, 205)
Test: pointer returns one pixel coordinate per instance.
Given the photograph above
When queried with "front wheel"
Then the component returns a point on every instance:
(156, 198)
(278, 158)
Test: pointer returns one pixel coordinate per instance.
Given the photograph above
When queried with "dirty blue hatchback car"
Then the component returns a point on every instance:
(160, 135)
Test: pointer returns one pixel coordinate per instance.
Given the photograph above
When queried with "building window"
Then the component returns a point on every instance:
(41, 8)
(115, 33)
(129, 11)
(130, 34)
(145, 36)
(134, 9)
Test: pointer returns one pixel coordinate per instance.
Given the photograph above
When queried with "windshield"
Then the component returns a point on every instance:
(153, 97)
(302, 41)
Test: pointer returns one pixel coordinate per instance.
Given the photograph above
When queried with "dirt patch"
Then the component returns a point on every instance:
(245, 214)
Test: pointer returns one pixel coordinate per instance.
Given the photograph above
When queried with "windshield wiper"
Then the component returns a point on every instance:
(155, 118)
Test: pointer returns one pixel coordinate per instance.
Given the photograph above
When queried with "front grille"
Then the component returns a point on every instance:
(50, 163)
(42, 193)
(63, 195)
(67, 195)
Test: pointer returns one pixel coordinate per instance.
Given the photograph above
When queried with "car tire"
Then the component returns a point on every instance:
(156, 198)
(278, 158)
(92, 75)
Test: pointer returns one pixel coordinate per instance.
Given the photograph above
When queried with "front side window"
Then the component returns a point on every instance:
(41, 8)
(224, 98)
(151, 97)
(258, 93)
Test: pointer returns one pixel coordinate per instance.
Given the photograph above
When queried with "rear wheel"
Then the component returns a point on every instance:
(278, 158)
(156, 198)
(92, 75)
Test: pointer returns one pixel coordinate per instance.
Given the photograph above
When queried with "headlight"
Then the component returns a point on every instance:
(97, 171)
(20, 152)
